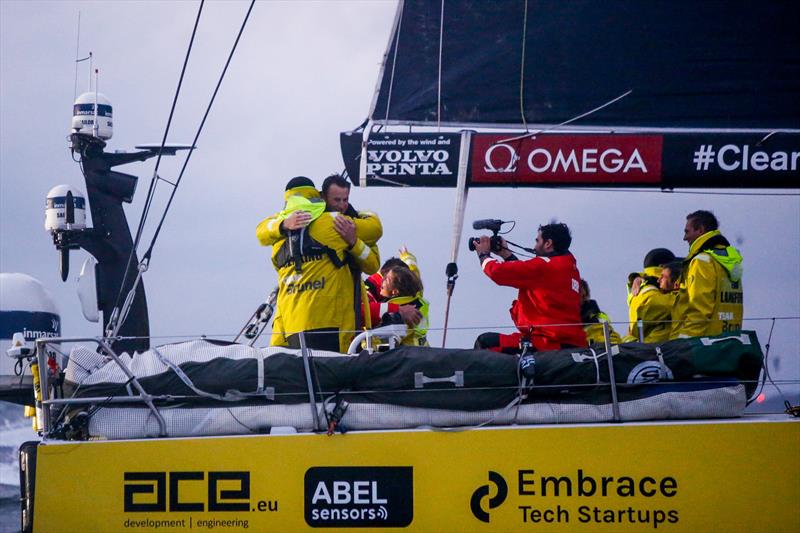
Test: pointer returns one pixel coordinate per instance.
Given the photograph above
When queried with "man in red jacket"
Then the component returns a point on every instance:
(548, 307)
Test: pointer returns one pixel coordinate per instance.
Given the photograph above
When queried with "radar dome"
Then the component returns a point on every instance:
(25, 307)
(83, 115)
(59, 214)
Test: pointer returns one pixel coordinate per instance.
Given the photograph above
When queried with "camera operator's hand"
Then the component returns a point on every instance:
(410, 314)
(504, 252)
(297, 220)
(482, 245)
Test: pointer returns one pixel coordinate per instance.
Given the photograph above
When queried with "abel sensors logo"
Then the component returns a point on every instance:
(359, 496)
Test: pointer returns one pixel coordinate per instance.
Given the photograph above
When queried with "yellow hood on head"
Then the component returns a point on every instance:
(306, 191)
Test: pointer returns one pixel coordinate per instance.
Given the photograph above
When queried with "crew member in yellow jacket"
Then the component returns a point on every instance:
(315, 288)
(593, 318)
(710, 300)
(401, 286)
(647, 302)
(336, 193)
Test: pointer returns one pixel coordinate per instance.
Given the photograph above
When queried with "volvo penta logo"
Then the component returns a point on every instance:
(482, 493)
(359, 496)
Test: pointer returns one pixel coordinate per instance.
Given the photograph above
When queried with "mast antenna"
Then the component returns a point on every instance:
(77, 54)
(91, 61)
(79, 59)
(96, 128)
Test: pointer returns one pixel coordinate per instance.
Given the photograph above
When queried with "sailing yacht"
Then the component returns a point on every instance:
(472, 95)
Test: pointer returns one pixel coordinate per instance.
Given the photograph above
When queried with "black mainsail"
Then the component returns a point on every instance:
(659, 93)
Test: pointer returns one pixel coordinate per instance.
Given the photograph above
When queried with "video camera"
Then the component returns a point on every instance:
(493, 225)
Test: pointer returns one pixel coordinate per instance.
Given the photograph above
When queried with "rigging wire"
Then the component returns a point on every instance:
(155, 178)
(153, 181)
(148, 254)
(569, 121)
(394, 60)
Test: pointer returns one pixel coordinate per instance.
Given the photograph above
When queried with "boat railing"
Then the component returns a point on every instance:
(43, 348)
(51, 405)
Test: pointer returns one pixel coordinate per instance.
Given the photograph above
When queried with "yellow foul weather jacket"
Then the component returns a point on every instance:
(710, 300)
(652, 307)
(416, 335)
(593, 318)
(319, 294)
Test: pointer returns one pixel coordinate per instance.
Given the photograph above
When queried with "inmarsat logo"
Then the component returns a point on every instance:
(482, 493)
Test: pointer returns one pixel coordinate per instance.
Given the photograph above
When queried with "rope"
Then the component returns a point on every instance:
(522, 68)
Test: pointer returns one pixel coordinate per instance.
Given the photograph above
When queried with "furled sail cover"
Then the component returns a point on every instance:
(206, 387)
(709, 65)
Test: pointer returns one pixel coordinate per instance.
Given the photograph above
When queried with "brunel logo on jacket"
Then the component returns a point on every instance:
(311, 285)
(359, 496)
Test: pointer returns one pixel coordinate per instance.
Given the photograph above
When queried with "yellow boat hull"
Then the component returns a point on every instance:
(741, 475)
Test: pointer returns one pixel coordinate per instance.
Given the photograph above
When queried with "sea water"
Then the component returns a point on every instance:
(14, 430)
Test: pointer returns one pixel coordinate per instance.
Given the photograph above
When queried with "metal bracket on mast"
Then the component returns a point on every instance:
(120, 314)
(451, 271)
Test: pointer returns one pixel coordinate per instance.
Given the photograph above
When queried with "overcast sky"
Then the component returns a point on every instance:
(304, 72)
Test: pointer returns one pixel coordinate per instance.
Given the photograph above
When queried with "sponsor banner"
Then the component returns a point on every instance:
(566, 160)
(404, 159)
(694, 476)
(732, 161)
(672, 160)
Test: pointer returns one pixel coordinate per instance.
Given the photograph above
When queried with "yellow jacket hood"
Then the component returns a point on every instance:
(727, 256)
